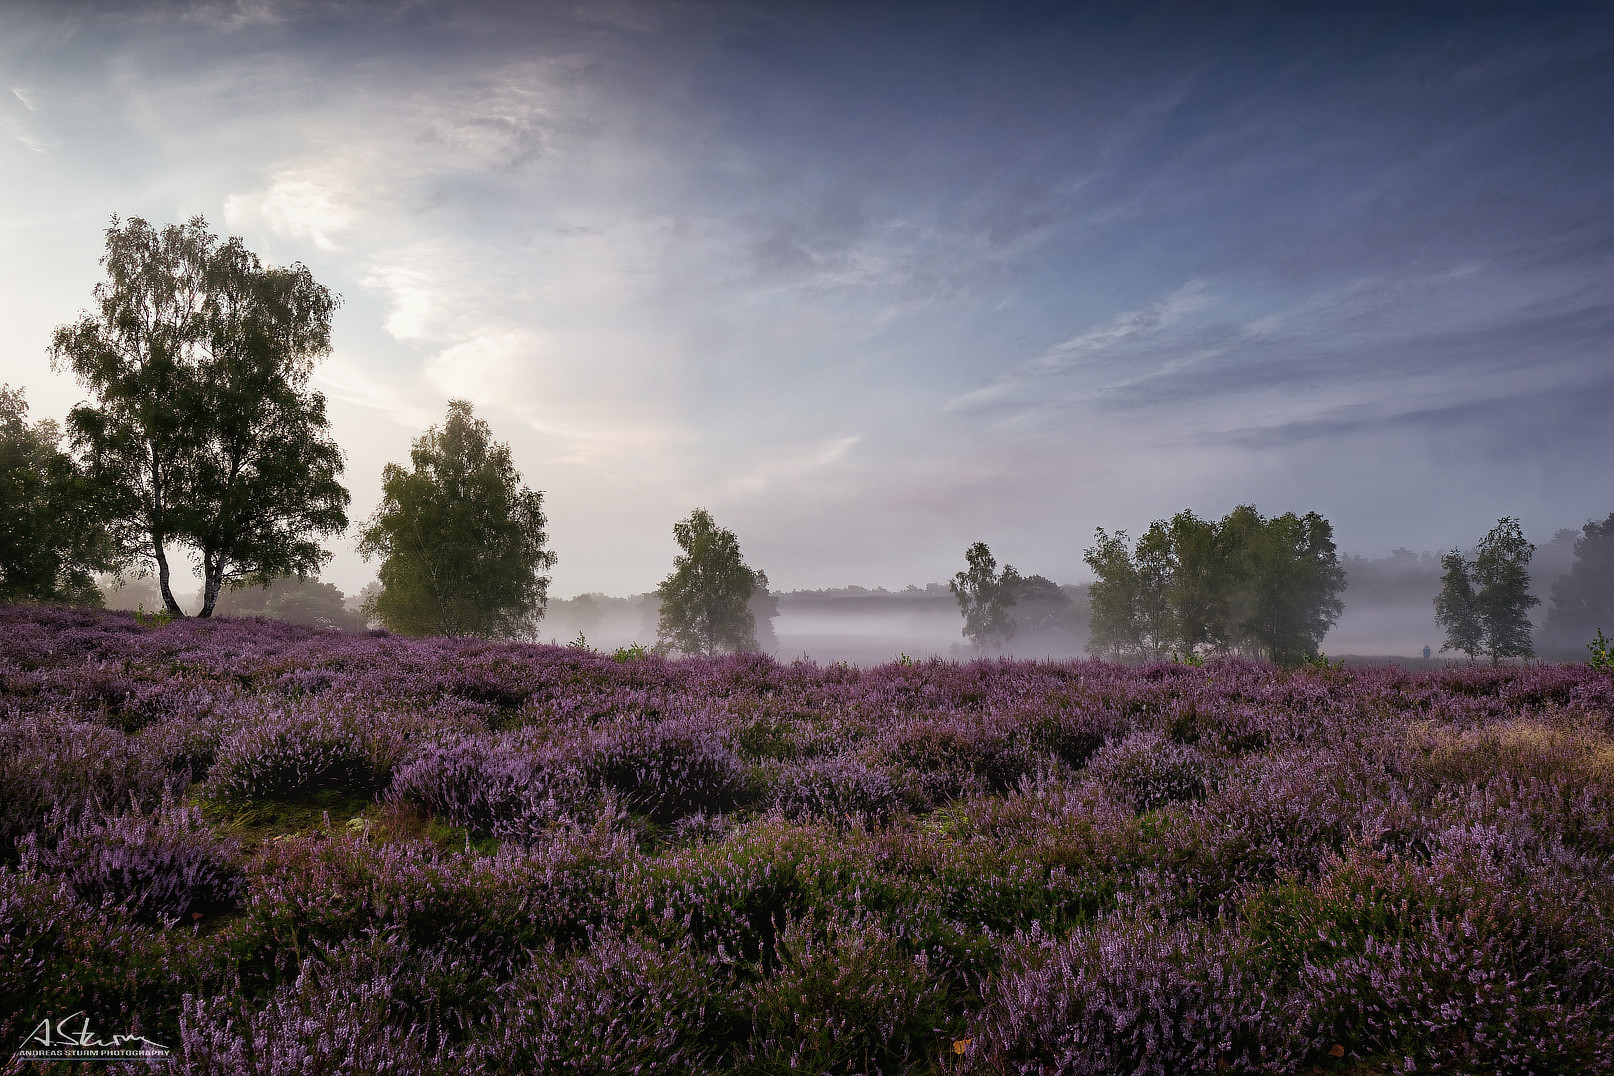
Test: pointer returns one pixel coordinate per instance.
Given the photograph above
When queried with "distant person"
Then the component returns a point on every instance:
(1426, 653)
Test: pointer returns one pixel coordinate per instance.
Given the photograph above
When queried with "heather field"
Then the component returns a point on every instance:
(277, 850)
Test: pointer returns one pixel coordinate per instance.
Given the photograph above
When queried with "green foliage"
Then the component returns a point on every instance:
(461, 539)
(706, 601)
(1455, 611)
(296, 601)
(160, 619)
(53, 540)
(203, 431)
(985, 596)
(1602, 652)
(1245, 584)
(1484, 604)
(631, 652)
(1128, 599)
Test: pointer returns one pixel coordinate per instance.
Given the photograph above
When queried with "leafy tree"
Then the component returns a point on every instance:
(1484, 604)
(1190, 558)
(203, 429)
(1455, 611)
(1284, 583)
(52, 540)
(985, 596)
(1130, 614)
(461, 539)
(707, 601)
(1583, 599)
(1244, 584)
(1502, 597)
(764, 609)
(1041, 606)
(296, 601)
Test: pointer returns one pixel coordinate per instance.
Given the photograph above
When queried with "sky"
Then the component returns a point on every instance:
(871, 282)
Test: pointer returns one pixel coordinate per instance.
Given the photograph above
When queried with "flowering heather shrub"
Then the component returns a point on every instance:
(668, 769)
(491, 909)
(621, 1005)
(847, 997)
(33, 911)
(1447, 965)
(185, 746)
(154, 867)
(942, 759)
(52, 762)
(1152, 771)
(1127, 996)
(287, 751)
(838, 789)
(507, 785)
(826, 867)
(346, 1012)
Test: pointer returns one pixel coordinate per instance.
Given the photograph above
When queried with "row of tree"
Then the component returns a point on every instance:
(202, 433)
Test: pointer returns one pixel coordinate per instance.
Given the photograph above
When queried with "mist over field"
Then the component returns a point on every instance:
(1389, 612)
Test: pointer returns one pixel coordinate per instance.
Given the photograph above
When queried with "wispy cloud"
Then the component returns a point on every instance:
(760, 477)
(1129, 328)
(293, 206)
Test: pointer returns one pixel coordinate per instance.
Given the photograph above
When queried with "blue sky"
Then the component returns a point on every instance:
(874, 281)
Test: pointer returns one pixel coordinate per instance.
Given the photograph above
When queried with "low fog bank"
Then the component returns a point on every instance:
(868, 627)
(1389, 613)
(851, 624)
(1390, 603)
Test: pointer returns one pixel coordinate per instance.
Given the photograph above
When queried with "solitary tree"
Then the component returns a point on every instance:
(985, 596)
(203, 429)
(1583, 600)
(1502, 590)
(1455, 612)
(461, 539)
(1484, 604)
(706, 603)
(51, 538)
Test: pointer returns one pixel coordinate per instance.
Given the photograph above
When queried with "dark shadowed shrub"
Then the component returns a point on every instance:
(154, 867)
(838, 789)
(667, 769)
(1151, 771)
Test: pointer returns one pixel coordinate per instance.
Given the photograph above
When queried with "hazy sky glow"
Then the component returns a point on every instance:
(873, 281)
